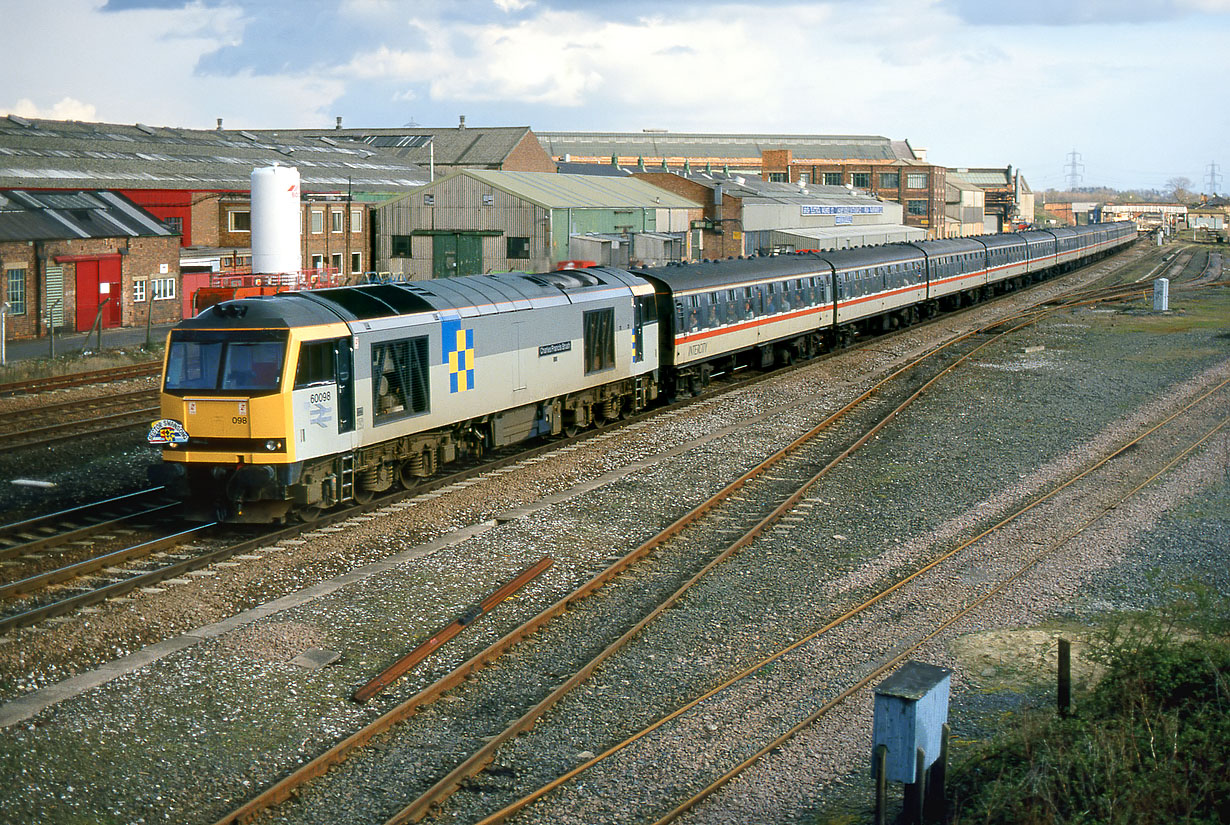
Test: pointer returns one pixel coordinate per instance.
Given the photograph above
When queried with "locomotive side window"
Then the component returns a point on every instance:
(399, 379)
(600, 339)
(316, 361)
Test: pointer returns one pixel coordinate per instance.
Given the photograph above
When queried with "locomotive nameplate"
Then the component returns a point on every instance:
(554, 349)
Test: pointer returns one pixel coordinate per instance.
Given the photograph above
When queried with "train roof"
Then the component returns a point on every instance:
(950, 246)
(719, 274)
(467, 296)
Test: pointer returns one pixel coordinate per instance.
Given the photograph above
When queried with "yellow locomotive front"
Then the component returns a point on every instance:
(228, 410)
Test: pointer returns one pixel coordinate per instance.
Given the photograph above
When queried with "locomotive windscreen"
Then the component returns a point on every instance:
(248, 361)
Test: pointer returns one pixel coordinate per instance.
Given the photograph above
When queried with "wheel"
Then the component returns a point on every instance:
(308, 514)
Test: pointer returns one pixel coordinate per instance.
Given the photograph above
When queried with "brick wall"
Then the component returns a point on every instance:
(528, 156)
(142, 259)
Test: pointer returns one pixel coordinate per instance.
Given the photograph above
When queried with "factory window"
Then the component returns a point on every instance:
(399, 379)
(890, 180)
(804, 178)
(429, 199)
(916, 207)
(239, 221)
(599, 340)
(779, 177)
(138, 291)
(356, 262)
(356, 220)
(518, 247)
(164, 289)
(401, 246)
(176, 225)
(337, 219)
(915, 181)
(832, 178)
(335, 262)
(318, 221)
(488, 199)
(862, 180)
(17, 291)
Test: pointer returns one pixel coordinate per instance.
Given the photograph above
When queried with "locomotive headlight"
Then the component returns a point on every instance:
(272, 445)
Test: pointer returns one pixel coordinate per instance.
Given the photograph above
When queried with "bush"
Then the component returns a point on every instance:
(1150, 743)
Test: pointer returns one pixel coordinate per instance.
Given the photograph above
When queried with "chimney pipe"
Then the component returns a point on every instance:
(339, 122)
(462, 124)
(219, 123)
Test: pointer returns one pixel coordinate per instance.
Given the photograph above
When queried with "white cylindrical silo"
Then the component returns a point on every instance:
(276, 220)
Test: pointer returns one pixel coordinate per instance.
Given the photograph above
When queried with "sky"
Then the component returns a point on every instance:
(1130, 86)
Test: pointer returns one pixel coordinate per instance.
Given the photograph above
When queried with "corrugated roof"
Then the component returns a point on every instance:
(71, 154)
(469, 146)
(685, 144)
(555, 191)
(982, 177)
(33, 216)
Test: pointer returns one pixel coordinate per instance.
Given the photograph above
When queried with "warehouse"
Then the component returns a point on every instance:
(476, 221)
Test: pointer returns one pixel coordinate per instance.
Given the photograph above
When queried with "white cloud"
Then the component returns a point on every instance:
(66, 109)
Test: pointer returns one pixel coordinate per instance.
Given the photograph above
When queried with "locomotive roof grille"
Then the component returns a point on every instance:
(572, 279)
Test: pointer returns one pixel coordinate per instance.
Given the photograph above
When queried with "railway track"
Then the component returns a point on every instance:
(896, 597)
(80, 379)
(681, 557)
(78, 419)
(109, 585)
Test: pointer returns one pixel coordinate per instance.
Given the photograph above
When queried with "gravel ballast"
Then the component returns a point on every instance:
(199, 730)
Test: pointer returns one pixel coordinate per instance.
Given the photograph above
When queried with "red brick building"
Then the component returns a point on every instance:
(73, 260)
(889, 169)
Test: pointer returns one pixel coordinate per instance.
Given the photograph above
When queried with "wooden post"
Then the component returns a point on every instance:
(915, 791)
(881, 769)
(937, 805)
(1065, 677)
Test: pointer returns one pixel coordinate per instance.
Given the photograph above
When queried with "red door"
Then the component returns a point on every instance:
(98, 284)
(87, 294)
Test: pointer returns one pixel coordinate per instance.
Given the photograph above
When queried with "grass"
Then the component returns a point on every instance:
(1149, 743)
(75, 362)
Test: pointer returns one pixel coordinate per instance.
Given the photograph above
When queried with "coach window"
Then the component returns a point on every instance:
(711, 312)
(400, 385)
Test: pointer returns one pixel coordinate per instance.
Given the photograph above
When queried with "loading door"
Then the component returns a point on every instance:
(458, 254)
(98, 284)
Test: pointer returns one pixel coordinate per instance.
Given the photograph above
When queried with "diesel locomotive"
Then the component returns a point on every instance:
(277, 407)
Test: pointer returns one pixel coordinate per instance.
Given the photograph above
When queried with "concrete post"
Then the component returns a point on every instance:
(1161, 295)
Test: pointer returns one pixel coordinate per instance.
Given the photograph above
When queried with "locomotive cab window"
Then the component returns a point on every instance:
(600, 340)
(316, 364)
(225, 362)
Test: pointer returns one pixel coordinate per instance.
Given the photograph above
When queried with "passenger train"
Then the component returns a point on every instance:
(276, 407)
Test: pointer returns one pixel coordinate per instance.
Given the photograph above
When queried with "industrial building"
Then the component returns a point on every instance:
(478, 221)
(745, 216)
(888, 169)
(74, 260)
